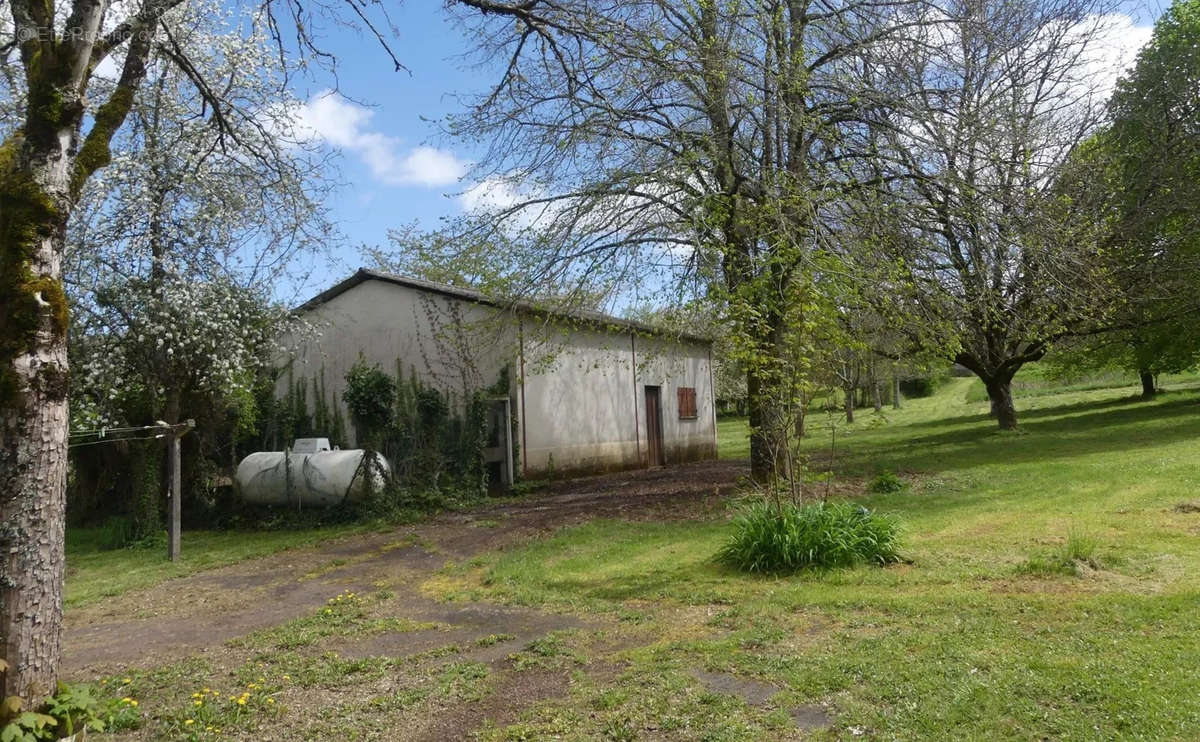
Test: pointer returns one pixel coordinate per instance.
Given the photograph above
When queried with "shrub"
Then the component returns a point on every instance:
(370, 395)
(885, 483)
(922, 386)
(769, 537)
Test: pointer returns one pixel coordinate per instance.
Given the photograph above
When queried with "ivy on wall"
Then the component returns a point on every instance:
(434, 439)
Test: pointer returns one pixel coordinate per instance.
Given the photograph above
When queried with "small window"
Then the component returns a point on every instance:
(687, 403)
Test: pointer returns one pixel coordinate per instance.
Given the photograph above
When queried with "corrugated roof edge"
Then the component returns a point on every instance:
(476, 297)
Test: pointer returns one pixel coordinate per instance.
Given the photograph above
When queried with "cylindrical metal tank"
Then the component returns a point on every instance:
(315, 479)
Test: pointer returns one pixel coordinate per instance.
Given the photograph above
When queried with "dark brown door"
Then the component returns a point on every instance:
(654, 425)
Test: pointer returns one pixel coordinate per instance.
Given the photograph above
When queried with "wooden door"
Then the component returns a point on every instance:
(654, 434)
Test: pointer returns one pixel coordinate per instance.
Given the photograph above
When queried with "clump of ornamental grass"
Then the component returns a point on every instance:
(782, 537)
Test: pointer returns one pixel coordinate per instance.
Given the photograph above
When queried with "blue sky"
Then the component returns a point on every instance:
(396, 167)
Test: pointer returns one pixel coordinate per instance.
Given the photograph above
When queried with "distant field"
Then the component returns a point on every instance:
(1031, 383)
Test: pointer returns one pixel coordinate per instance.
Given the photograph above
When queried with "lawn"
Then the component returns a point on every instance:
(95, 572)
(1050, 589)
(988, 630)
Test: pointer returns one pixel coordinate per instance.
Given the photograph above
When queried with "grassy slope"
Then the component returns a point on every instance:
(960, 643)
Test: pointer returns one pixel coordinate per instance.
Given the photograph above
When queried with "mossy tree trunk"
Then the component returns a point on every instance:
(43, 165)
(33, 412)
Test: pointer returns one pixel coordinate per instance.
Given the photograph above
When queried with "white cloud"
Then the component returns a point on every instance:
(346, 126)
(1118, 42)
(490, 195)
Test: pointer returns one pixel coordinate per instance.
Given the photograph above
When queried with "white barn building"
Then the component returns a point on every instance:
(589, 392)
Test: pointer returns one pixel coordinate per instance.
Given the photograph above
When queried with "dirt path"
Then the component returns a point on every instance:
(191, 615)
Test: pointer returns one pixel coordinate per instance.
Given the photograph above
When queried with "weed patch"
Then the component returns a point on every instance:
(1077, 555)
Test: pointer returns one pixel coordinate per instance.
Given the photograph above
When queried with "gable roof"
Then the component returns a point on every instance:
(596, 319)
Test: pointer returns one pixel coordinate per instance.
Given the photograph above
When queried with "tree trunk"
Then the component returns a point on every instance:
(850, 405)
(761, 465)
(1147, 378)
(33, 416)
(1000, 393)
(799, 425)
(896, 402)
(876, 396)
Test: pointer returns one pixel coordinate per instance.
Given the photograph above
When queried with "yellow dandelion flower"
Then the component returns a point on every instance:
(287, 677)
(270, 700)
(133, 703)
(197, 703)
(241, 701)
(127, 680)
(189, 722)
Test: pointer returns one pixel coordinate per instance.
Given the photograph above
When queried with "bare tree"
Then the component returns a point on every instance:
(1002, 93)
(708, 144)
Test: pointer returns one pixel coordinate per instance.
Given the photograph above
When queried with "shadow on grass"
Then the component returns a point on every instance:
(1047, 434)
(1040, 412)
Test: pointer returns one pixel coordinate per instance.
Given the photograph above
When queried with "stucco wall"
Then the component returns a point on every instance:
(578, 397)
(578, 392)
(454, 346)
(670, 365)
(585, 396)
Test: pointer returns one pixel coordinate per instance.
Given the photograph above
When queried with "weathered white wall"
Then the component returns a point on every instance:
(579, 393)
(670, 365)
(585, 396)
(579, 400)
(452, 345)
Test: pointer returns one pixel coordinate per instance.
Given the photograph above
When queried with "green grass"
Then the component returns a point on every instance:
(1053, 590)
(94, 572)
(732, 440)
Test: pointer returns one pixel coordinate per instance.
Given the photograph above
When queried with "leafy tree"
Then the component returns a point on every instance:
(1139, 193)
(168, 268)
(1002, 92)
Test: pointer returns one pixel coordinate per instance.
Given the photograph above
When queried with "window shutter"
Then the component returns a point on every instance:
(687, 402)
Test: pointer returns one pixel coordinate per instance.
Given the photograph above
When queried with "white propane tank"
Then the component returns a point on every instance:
(316, 479)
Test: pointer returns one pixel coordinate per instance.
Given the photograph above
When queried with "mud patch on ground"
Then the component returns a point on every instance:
(188, 614)
(753, 692)
(512, 694)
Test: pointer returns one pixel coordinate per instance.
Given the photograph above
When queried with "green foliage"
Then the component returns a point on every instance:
(1134, 186)
(370, 397)
(784, 537)
(73, 709)
(884, 483)
(922, 386)
(76, 709)
(28, 726)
